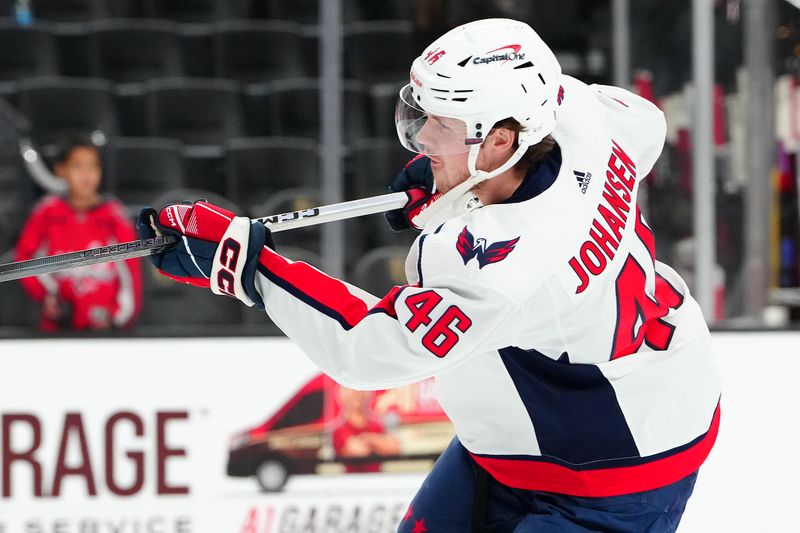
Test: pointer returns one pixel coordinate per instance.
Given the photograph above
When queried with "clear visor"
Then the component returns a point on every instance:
(428, 134)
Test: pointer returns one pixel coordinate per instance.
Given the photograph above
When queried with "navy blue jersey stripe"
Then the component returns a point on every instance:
(300, 295)
(419, 255)
(419, 259)
(573, 408)
(602, 464)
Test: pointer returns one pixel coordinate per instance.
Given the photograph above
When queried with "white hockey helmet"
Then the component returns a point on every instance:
(472, 77)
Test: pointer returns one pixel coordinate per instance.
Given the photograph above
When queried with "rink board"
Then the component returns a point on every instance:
(134, 435)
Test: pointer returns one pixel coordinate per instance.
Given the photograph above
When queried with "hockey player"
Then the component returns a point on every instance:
(575, 367)
(97, 297)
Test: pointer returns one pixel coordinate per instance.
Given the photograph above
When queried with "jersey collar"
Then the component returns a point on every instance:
(539, 179)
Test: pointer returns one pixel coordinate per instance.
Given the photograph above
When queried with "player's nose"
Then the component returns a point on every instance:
(424, 137)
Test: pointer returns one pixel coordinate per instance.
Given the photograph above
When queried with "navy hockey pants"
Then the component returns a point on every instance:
(444, 504)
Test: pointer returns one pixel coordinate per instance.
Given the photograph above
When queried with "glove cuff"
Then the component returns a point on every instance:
(260, 236)
(230, 261)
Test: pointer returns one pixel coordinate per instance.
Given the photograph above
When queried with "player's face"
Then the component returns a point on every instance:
(449, 171)
(443, 139)
(82, 172)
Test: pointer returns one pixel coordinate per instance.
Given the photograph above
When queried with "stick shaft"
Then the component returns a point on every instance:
(133, 249)
(334, 212)
(92, 256)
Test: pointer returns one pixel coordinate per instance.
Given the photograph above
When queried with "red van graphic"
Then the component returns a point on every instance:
(326, 428)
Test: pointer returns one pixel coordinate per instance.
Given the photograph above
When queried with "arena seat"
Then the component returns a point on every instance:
(383, 100)
(378, 51)
(288, 200)
(17, 310)
(260, 166)
(165, 300)
(140, 169)
(291, 108)
(28, 51)
(304, 11)
(258, 50)
(381, 269)
(194, 111)
(130, 50)
(59, 105)
(372, 164)
(192, 10)
(81, 10)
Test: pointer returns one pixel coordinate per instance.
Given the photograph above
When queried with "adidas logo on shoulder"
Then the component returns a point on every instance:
(583, 179)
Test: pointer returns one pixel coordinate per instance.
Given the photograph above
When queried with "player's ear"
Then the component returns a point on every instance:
(503, 138)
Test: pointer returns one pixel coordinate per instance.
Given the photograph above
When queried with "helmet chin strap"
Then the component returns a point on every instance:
(476, 176)
(448, 204)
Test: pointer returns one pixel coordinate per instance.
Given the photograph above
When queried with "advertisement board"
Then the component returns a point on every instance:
(147, 436)
(170, 436)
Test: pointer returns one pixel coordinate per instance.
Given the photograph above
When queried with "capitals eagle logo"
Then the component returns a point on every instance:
(469, 247)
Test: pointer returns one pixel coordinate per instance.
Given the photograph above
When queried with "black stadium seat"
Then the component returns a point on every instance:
(379, 51)
(129, 50)
(197, 51)
(385, 10)
(140, 169)
(286, 201)
(304, 11)
(73, 49)
(80, 10)
(381, 269)
(383, 97)
(28, 52)
(17, 309)
(12, 219)
(372, 164)
(257, 167)
(194, 111)
(291, 108)
(258, 50)
(193, 194)
(165, 301)
(56, 106)
(192, 10)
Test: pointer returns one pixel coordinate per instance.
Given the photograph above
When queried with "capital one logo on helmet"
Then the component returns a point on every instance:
(513, 55)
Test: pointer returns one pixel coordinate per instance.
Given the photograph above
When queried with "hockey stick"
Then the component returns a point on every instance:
(130, 250)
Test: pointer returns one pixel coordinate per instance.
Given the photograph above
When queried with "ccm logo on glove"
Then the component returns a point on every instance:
(229, 257)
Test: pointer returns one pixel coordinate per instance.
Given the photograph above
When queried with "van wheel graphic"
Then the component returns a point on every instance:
(272, 475)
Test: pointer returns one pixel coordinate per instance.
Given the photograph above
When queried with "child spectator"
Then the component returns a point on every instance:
(96, 297)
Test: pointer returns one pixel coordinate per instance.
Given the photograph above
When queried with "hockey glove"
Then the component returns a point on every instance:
(416, 180)
(198, 258)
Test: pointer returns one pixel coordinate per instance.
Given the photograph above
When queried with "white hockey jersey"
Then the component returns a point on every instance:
(568, 359)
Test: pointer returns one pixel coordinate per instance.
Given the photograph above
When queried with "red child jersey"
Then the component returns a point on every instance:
(96, 294)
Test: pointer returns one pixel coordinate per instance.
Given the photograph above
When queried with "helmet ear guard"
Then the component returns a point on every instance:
(477, 176)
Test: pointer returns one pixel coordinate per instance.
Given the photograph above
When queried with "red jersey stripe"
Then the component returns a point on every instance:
(323, 292)
(605, 482)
